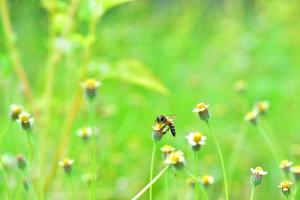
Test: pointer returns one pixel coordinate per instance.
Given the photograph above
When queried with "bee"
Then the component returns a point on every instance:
(167, 121)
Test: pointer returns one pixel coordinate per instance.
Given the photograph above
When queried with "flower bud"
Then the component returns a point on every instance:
(202, 110)
(257, 175)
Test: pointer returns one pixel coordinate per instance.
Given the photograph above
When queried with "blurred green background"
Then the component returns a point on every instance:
(188, 52)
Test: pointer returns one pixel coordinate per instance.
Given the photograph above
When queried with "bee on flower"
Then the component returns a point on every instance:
(196, 140)
(262, 107)
(176, 159)
(90, 87)
(159, 129)
(207, 180)
(252, 117)
(167, 149)
(286, 165)
(25, 120)
(257, 175)
(202, 110)
(85, 133)
(15, 111)
(240, 86)
(296, 172)
(285, 187)
(66, 164)
(21, 162)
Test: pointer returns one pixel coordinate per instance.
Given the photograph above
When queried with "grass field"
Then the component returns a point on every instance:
(152, 57)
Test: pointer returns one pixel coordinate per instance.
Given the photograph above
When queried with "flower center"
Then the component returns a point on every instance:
(197, 137)
(201, 106)
(90, 84)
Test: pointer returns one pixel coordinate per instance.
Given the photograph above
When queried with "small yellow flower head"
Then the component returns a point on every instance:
(262, 107)
(285, 165)
(21, 161)
(159, 129)
(285, 187)
(90, 86)
(167, 149)
(207, 180)
(85, 133)
(15, 111)
(202, 110)
(296, 172)
(240, 86)
(175, 159)
(66, 164)
(196, 140)
(257, 175)
(190, 181)
(252, 117)
(25, 120)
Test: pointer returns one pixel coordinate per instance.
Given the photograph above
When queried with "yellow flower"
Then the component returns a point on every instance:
(90, 86)
(167, 149)
(196, 140)
(257, 175)
(159, 129)
(285, 165)
(240, 86)
(15, 111)
(252, 117)
(85, 133)
(176, 159)
(207, 180)
(285, 187)
(25, 120)
(262, 107)
(202, 110)
(66, 164)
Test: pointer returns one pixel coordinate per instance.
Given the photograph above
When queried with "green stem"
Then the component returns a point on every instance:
(93, 151)
(196, 174)
(295, 191)
(221, 160)
(151, 169)
(148, 186)
(30, 146)
(252, 192)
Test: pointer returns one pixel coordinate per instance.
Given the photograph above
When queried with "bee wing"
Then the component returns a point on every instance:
(173, 116)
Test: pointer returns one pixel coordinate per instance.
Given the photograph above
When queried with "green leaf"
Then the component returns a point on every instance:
(135, 72)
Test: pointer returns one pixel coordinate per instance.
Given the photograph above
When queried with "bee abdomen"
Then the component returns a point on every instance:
(172, 129)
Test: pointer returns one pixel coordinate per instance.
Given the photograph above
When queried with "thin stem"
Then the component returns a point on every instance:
(70, 184)
(151, 169)
(252, 192)
(30, 146)
(138, 195)
(221, 160)
(196, 174)
(94, 144)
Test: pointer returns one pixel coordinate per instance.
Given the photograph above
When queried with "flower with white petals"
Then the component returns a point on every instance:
(84, 133)
(25, 120)
(257, 175)
(296, 172)
(15, 111)
(202, 110)
(66, 164)
(252, 117)
(285, 187)
(285, 165)
(196, 140)
(167, 149)
(176, 159)
(262, 107)
(90, 87)
(207, 180)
